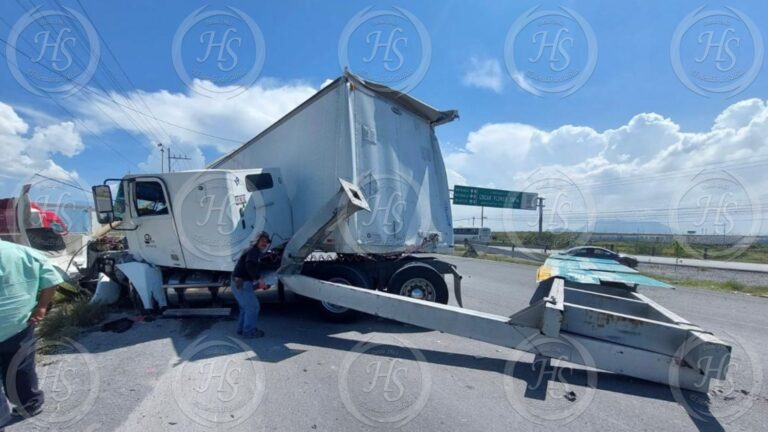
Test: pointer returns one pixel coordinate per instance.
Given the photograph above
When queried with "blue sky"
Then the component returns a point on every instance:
(633, 75)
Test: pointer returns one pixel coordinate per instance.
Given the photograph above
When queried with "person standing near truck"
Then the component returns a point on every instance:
(27, 285)
(246, 278)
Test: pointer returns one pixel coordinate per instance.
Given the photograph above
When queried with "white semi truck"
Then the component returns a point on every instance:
(189, 228)
(350, 185)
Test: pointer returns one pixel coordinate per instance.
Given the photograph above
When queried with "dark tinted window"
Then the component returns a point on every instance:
(602, 253)
(465, 231)
(580, 252)
(256, 182)
(150, 199)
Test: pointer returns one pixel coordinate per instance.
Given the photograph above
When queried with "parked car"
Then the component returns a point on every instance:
(598, 252)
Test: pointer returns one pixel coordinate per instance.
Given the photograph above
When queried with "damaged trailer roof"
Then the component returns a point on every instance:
(434, 116)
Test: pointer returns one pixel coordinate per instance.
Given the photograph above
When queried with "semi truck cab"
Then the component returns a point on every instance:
(199, 220)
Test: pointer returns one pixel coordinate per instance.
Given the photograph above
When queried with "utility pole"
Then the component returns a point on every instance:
(162, 155)
(482, 209)
(540, 205)
(171, 157)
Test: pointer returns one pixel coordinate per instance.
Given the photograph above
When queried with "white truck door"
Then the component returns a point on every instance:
(156, 234)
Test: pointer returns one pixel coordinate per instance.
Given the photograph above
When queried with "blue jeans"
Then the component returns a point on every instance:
(27, 393)
(249, 307)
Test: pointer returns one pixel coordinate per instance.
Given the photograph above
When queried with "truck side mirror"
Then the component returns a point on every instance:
(102, 198)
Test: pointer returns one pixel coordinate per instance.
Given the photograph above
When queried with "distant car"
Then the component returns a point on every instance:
(474, 235)
(598, 252)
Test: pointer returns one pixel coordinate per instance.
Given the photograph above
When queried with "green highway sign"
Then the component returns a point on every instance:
(481, 197)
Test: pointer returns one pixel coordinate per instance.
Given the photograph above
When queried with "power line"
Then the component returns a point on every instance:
(80, 63)
(117, 62)
(98, 95)
(37, 174)
(84, 126)
(146, 128)
(749, 162)
(172, 157)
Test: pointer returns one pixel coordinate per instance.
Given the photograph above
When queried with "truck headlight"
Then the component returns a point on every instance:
(543, 273)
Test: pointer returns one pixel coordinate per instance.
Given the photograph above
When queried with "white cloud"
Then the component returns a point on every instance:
(23, 155)
(740, 114)
(647, 163)
(10, 122)
(238, 118)
(484, 73)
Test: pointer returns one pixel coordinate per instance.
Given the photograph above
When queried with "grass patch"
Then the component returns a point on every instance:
(460, 250)
(727, 286)
(664, 245)
(65, 320)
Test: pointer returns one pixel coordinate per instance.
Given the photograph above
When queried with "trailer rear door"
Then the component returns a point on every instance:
(400, 170)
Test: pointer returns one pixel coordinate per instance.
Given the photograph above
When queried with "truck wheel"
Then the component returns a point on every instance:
(342, 275)
(135, 298)
(419, 281)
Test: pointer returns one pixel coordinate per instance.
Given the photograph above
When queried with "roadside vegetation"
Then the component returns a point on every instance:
(727, 286)
(68, 317)
(755, 253)
(461, 252)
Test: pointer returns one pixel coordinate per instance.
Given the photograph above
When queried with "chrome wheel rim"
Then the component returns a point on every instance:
(419, 289)
(331, 307)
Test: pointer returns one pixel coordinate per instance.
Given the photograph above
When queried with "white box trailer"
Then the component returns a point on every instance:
(379, 139)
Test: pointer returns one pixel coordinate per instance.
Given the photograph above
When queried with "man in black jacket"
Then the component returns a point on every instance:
(246, 278)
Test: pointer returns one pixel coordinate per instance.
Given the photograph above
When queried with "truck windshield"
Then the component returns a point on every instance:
(119, 205)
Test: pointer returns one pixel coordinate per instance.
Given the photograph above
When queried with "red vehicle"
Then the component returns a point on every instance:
(47, 219)
(44, 228)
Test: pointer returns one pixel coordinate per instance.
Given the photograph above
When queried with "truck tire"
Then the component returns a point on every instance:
(135, 298)
(343, 275)
(419, 281)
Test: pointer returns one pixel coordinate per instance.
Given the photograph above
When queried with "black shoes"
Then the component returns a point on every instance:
(27, 412)
(253, 335)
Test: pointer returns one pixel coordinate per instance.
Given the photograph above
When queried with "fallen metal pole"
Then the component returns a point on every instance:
(632, 336)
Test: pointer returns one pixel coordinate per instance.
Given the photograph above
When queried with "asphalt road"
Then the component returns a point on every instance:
(306, 374)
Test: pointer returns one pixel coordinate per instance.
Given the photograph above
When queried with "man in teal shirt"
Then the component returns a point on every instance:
(27, 284)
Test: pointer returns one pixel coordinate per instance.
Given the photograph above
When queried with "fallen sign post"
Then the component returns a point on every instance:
(482, 197)
(588, 307)
(620, 330)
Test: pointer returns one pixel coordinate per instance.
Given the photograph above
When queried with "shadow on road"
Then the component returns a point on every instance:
(299, 323)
